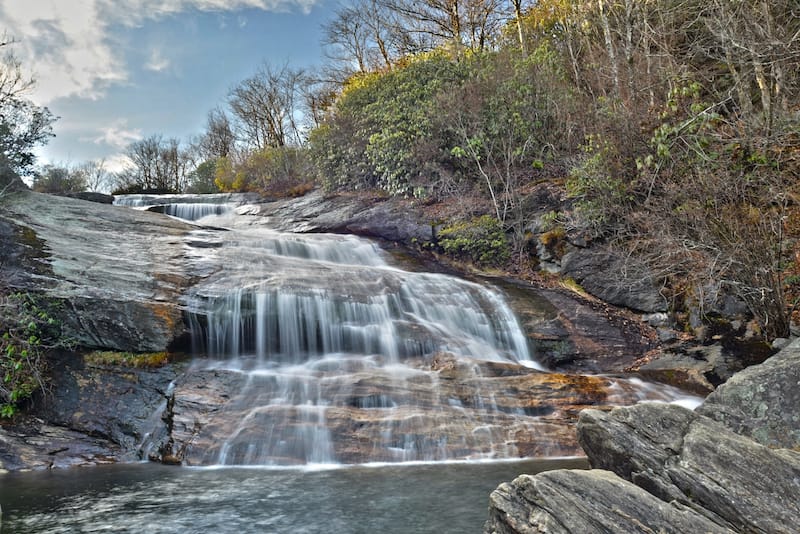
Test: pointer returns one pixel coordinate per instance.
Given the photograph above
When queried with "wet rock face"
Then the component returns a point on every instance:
(444, 408)
(568, 335)
(93, 414)
(117, 272)
(38, 445)
(376, 416)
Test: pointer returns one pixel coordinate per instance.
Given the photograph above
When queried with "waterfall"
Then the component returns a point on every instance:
(194, 211)
(186, 207)
(321, 332)
(337, 295)
(317, 349)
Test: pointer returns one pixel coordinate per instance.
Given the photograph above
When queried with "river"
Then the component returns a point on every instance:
(426, 498)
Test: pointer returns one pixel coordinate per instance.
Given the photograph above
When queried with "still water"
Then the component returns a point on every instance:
(389, 499)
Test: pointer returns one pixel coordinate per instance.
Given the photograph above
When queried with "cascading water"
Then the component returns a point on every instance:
(313, 349)
(187, 207)
(320, 327)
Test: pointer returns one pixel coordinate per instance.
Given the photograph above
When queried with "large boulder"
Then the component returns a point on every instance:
(762, 401)
(614, 279)
(571, 502)
(117, 274)
(734, 461)
(686, 467)
(678, 455)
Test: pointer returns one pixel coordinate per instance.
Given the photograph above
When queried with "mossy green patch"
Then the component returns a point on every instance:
(140, 360)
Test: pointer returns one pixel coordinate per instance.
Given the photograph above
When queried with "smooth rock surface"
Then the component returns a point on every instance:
(119, 273)
(388, 219)
(596, 501)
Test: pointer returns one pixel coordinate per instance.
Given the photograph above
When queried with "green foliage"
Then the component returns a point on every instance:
(481, 241)
(380, 122)
(28, 330)
(227, 178)
(202, 178)
(142, 360)
(23, 127)
(271, 170)
(549, 220)
(503, 122)
(56, 180)
(599, 186)
(23, 124)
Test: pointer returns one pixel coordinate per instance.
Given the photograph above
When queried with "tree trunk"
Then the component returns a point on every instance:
(610, 50)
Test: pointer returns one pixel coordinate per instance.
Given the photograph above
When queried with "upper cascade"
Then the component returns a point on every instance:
(295, 297)
(184, 206)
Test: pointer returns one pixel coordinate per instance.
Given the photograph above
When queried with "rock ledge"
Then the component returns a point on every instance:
(662, 468)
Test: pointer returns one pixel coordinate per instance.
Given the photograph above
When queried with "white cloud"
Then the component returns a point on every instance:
(157, 62)
(117, 163)
(68, 45)
(117, 135)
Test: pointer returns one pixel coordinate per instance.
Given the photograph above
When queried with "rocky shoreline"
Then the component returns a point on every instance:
(733, 465)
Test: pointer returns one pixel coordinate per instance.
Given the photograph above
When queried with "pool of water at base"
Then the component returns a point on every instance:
(424, 498)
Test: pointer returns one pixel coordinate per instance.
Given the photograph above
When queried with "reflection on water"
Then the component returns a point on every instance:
(427, 498)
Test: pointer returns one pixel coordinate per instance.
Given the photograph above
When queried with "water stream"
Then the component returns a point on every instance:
(433, 498)
(317, 349)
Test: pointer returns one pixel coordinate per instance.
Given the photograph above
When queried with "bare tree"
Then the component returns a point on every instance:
(346, 39)
(266, 106)
(158, 165)
(430, 23)
(518, 13)
(218, 140)
(13, 82)
(759, 43)
(95, 175)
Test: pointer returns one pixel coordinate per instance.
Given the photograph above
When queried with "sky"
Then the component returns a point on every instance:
(115, 71)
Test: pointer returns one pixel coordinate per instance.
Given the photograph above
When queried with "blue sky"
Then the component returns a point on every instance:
(115, 71)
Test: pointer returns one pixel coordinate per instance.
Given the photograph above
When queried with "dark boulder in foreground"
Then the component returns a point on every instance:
(566, 502)
(671, 465)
